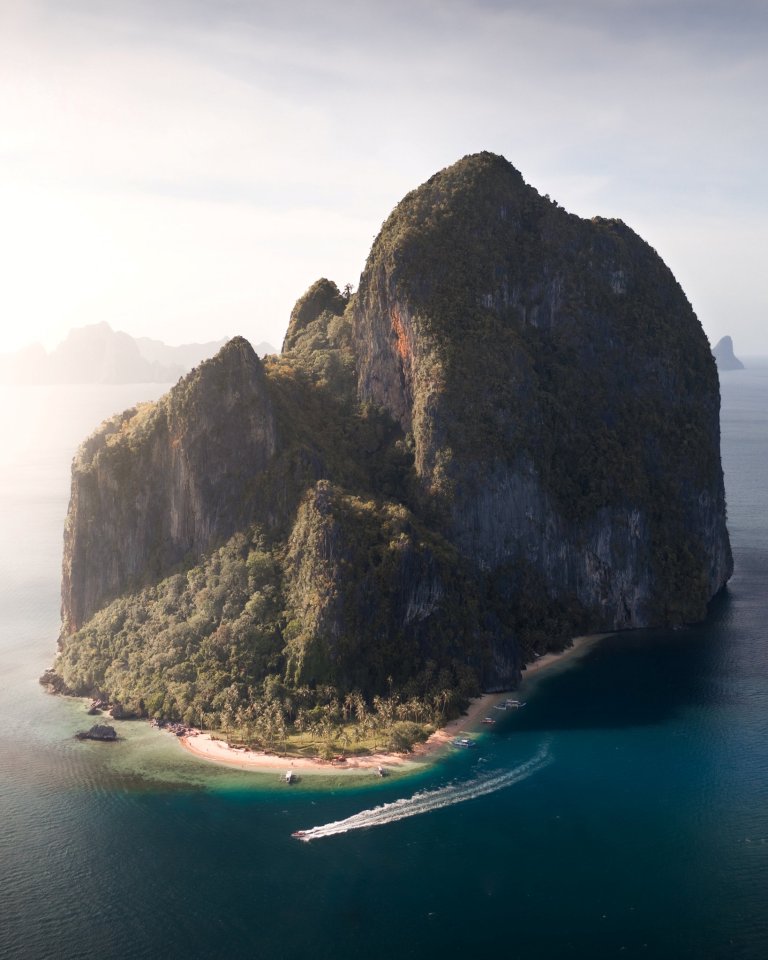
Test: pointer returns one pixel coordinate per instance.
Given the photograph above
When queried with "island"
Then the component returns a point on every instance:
(506, 437)
(724, 355)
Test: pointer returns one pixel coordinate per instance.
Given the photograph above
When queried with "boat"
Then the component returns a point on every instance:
(289, 776)
(299, 834)
(463, 742)
(488, 720)
(381, 771)
(515, 704)
(500, 706)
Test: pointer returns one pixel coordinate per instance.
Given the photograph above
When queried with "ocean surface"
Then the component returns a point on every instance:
(622, 813)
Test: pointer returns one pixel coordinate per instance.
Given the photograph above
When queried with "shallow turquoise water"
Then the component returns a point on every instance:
(623, 812)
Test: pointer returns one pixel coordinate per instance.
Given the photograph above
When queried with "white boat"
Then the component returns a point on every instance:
(288, 776)
(515, 704)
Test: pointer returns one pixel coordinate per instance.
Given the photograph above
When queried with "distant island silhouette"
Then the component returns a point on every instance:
(98, 354)
(724, 355)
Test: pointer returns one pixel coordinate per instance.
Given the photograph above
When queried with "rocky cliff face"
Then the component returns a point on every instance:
(160, 484)
(509, 435)
(560, 392)
(373, 594)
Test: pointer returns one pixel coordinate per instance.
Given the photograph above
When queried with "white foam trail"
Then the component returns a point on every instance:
(428, 800)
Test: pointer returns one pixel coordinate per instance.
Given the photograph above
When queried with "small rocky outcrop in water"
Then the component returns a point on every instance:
(724, 355)
(53, 682)
(509, 435)
(100, 731)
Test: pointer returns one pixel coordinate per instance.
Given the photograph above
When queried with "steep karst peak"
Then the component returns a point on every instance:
(477, 167)
(236, 354)
(724, 355)
(236, 348)
(323, 296)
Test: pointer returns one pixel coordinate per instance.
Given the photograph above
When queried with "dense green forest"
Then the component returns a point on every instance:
(208, 648)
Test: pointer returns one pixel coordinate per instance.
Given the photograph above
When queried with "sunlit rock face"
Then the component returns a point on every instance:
(159, 484)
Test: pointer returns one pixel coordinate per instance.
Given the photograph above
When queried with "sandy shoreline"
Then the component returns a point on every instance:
(218, 751)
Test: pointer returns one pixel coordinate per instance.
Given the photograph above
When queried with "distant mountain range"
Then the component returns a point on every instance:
(98, 354)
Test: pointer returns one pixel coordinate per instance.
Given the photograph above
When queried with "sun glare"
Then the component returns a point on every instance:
(56, 259)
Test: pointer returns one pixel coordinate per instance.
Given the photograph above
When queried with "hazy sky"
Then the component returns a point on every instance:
(184, 169)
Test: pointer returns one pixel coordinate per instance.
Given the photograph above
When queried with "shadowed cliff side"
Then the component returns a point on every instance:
(372, 594)
(561, 395)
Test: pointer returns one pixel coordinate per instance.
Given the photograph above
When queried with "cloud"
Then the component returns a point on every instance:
(301, 95)
(207, 124)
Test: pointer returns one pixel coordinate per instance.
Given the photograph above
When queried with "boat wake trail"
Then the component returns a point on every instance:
(428, 800)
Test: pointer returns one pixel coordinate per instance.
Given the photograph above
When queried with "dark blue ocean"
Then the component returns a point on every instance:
(623, 813)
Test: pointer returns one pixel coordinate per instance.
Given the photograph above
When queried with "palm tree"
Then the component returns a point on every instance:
(241, 719)
(227, 717)
(281, 732)
(348, 706)
(370, 724)
(361, 710)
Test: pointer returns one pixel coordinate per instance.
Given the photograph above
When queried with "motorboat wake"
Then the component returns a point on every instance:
(426, 801)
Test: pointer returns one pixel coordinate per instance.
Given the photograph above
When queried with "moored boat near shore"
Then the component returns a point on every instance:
(463, 742)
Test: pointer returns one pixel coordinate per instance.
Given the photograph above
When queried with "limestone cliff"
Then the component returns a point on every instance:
(371, 594)
(160, 484)
(560, 391)
(508, 435)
